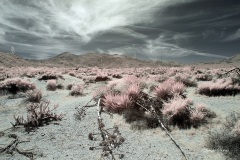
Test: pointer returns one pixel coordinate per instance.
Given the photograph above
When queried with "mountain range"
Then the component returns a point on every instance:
(67, 59)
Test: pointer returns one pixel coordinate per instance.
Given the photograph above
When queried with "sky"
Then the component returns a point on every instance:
(185, 31)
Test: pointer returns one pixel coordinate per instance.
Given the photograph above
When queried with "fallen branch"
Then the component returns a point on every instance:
(237, 70)
(164, 128)
(109, 141)
(81, 112)
(13, 147)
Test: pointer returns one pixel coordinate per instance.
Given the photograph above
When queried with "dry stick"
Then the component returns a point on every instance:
(14, 144)
(100, 125)
(165, 129)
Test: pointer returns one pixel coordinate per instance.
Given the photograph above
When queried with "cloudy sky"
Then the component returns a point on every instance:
(175, 30)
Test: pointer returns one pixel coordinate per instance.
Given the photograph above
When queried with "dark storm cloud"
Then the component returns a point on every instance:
(174, 30)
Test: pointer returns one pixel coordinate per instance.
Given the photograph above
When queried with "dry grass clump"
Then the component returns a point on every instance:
(226, 139)
(15, 85)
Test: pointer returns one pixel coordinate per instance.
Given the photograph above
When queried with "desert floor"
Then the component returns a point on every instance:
(68, 139)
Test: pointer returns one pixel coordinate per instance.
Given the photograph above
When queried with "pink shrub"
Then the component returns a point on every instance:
(185, 79)
(15, 85)
(133, 91)
(51, 85)
(168, 89)
(221, 87)
(178, 88)
(77, 90)
(101, 92)
(197, 117)
(117, 103)
(177, 111)
(131, 80)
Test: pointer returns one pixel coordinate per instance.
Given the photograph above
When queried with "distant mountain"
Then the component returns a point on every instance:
(233, 59)
(67, 59)
(11, 60)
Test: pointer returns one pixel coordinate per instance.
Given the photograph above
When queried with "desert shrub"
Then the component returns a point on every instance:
(15, 85)
(60, 86)
(169, 89)
(186, 80)
(203, 77)
(221, 87)
(38, 114)
(34, 95)
(200, 114)
(117, 102)
(48, 76)
(69, 86)
(73, 74)
(89, 79)
(179, 112)
(101, 78)
(51, 85)
(77, 90)
(133, 91)
(226, 139)
(116, 75)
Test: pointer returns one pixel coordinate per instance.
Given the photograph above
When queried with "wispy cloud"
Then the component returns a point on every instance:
(234, 36)
(43, 28)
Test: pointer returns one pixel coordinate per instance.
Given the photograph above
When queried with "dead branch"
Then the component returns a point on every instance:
(13, 147)
(109, 140)
(237, 70)
(81, 112)
(164, 128)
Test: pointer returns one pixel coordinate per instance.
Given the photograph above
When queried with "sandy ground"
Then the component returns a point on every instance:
(69, 139)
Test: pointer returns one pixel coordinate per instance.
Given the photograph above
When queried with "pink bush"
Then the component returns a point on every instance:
(15, 85)
(131, 80)
(176, 106)
(197, 117)
(51, 85)
(77, 90)
(220, 87)
(168, 89)
(101, 92)
(117, 103)
(177, 111)
(133, 91)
